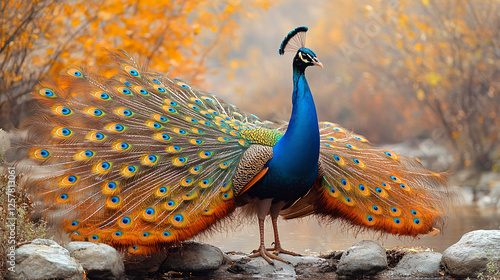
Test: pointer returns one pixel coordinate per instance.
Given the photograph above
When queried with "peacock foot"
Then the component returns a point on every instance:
(262, 252)
(277, 250)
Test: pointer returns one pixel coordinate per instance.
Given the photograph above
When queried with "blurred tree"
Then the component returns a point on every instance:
(442, 54)
(438, 61)
(40, 37)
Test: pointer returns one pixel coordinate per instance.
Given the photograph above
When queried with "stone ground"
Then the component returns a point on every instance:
(473, 255)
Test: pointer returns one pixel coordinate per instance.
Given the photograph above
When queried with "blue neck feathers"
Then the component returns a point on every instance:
(297, 152)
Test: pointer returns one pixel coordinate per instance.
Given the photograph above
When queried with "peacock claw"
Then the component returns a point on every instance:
(278, 250)
(262, 252)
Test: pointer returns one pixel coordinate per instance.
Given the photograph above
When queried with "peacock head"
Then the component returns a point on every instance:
(306, 57)
(295, 41)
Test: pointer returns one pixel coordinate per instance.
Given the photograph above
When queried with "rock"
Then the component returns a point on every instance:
(45, 259)
(193, 257)
(469, 256)
(419, 264)
(363, 258)
(304, 266)
(100, 261)
(142, 266)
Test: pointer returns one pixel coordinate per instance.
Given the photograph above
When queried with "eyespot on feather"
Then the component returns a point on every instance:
(196, 141)
(110, 187)
(186, 182)
(120, 146)
(190, 196)
(359, 163)
(148, 159)
(124, 91)
(331, 191)
(394, 211)
(197, 131)
(125, 222)
(167, 236)
(94, 112)
(149, 214)
(61, 132)
(347, 200)
(205, 183)
(340, 161)
(205, 154)
(47, 93)
(160, 118)
(344, 183)
(227, 195)
(83, 155)
(169, 110)
(170, 205)
(116, 128)
(39, 154)
(195, 169)
(179, 131)
(224, 164)
(381, 192)
(370, 220)
(227, 186)
(222, 139)
(179, 161)
(391, 155)
(183, 85)
(162, 137)
(128, 171)
(95, 136)
(178, 220)
(124, 112)
(363, 190)
(101, 95)
(173, 149)
(102, 167)
(62, 198)
(62, 110)
(242, 142)
(75, 72)
(113, 201)
(68, 180)
(162, 191)
(140, 90)
(132, 71)
(153, 125)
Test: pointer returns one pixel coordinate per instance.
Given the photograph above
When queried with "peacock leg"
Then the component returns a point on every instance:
(263, 208)
(275, 210)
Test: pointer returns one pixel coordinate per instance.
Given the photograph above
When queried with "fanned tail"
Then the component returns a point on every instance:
(138, 160)
(372, 187)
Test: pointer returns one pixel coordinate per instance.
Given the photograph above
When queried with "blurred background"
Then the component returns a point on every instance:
(421, 77)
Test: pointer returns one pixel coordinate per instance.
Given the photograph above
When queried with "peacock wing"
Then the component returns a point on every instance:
(138, 160)
(372, 188)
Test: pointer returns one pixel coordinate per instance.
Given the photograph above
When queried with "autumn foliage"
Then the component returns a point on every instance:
(442, 56)
(41, 37)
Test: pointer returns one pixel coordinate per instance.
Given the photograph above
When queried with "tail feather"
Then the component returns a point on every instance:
(373, 188)
(137, 160)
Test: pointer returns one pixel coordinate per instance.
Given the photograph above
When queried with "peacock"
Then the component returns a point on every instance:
(141, 162)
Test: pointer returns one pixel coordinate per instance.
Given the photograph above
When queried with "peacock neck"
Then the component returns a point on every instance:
(298, 150)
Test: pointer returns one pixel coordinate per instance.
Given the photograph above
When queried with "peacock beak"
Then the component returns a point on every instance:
(317, 62)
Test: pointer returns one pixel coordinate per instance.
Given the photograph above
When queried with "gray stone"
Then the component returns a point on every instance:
(141, 265)
(363, 258)
(260, 267)
(100, 261)
(416, 264)
(469, 256)
(193, 257)
(45, 259)
(303, 266)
